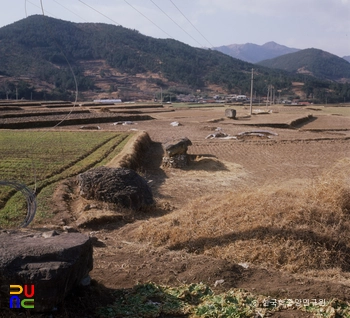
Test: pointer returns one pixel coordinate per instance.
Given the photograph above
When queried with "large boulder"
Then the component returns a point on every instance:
(115, 185)
(178, 147)
(54, 263)
(176, 153)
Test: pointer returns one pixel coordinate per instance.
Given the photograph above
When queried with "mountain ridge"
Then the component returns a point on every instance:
(254, 53)
(347, 58)
(43, 45)
(113, 61)
(315, 62)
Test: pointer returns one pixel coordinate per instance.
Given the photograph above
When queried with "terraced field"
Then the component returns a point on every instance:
(254, 219)
(40, 159)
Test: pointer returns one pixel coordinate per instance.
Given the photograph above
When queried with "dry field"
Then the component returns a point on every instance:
(270, 215)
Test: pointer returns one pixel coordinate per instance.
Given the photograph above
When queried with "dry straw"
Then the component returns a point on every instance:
(283, 227)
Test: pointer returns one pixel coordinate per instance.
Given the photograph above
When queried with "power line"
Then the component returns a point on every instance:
(42, 7)
(115, 22)
(70, 10)
(39, 7)
(148, 19)
(191, 23)
(176, 23)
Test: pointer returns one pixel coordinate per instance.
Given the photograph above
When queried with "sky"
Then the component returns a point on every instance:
(322, 24)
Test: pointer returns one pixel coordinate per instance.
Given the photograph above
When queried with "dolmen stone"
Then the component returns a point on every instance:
(177, 161)
(176, 153)
(121, 186)
(230, 113)
(178, 148)
(38, 270)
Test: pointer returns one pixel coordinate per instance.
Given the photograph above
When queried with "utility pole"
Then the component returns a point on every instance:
(268, 95)
(251, 92)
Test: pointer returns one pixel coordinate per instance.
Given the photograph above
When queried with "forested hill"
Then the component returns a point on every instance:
(314, 62)
(38, 49)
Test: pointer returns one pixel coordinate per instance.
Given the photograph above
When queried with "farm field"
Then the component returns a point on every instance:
(267, 215)
(41, 159)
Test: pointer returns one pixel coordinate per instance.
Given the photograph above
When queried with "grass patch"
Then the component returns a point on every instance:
(41, 159)
(198, 300)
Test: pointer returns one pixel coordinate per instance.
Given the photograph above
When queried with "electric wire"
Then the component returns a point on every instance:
(148, 19)
(30, 195)
(71, 70)
(115, 22)
(70, 10)
(191, 23)
(42, 7)
(30, 198)
(176, 23)
(39, 7)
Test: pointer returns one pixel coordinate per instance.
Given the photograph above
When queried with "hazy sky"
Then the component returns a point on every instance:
(322, 24)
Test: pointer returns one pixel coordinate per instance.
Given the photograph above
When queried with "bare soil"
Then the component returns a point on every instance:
(292, 157)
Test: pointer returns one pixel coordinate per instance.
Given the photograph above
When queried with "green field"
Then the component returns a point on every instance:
(41, 159)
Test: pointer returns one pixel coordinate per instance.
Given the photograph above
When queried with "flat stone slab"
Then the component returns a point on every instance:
(54, 263)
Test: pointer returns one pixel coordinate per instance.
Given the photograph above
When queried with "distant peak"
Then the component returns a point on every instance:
(270, 43)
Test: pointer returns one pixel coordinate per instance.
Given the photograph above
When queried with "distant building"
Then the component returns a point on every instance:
(241, 98)
(107, 101)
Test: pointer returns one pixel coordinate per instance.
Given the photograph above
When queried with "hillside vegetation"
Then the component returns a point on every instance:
(39, 55)
(317, 63)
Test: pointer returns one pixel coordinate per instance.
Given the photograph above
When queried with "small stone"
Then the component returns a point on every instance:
(70, 229)
(218, 282)
(49, 234)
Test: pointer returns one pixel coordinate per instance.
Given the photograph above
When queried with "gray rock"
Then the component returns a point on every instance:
(230, 113)
(115, 185)
(177, 161)
(178, 148)
(54, 265)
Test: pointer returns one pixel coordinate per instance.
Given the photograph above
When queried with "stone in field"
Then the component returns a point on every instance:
(176, 153)
(178, 148)
(230, 113)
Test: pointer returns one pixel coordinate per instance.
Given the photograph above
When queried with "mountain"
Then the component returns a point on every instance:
(47, 58)
(347, 58)
(108, 58)
(254, 53)
(317, 63)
